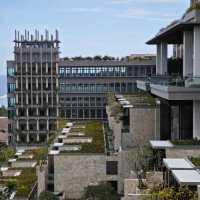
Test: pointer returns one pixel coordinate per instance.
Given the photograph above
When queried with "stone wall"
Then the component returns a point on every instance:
(41, 175)
(116, 126)
(184, 152)
(144, 125)
(73, 172)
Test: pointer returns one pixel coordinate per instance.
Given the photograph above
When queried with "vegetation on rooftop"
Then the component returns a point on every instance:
(195, 161)
(39, 154)
(26, 181)
(103, 191)
(23, 183)
(6, 152)
(194, 141)
(93, 129)
(194, 6)
(140, 98)
(48, 196)
(114, 106)
(3, 111)
(162, 192)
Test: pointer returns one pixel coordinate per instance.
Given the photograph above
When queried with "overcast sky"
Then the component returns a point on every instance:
(89, 27)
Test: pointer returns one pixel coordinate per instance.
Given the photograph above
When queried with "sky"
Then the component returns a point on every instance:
(88, 27)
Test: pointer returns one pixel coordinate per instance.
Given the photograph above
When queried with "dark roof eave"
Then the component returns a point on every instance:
(166, 35)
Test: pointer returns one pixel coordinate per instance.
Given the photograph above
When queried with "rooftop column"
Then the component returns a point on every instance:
(196, 63)
(196, 72)
(188, 53)
(161, 59)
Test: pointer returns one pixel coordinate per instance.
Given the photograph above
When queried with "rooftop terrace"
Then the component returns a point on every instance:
(80, 137)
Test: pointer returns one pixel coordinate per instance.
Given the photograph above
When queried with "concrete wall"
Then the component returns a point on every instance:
(144, 124)
(41, 175)
(72, 173)
(116, 126)
(183, 152)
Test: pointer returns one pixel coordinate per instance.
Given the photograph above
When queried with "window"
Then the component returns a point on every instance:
(11, 71)
(111, 167)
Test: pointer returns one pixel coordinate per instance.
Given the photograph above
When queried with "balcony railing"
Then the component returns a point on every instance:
(192, 82)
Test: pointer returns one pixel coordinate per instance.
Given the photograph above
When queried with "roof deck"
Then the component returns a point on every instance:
(80, 137)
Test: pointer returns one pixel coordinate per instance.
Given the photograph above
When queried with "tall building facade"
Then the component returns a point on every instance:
(33, 87)
(42, 87)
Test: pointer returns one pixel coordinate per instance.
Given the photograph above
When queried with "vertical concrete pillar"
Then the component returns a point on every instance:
(27, 125)
(16, 83)
(27, 99)
(17, 122)
(37, 125)
(27, 113)
(38, 137)
(158, 60)
(36, 68)
(27, 138)
(17, 99)
(47, 112)
(196, 61)
(57, 112)
(26, 83)
(196, 119)
(17, 111)
(47, 125)
(188, 38)
(17, 137)
(164, 58)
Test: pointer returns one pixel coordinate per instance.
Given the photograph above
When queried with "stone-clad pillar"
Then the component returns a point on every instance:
(188, 53)
(161, 59)
(196, 72)
(158, 60)
(196, 119)
(164, 58)
(196, 63)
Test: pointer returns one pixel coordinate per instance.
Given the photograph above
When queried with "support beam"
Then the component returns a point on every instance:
(196, 63)
(188, 40)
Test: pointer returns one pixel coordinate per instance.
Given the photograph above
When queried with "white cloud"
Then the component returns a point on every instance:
(144, 1)
(143, 14)
(81, 10)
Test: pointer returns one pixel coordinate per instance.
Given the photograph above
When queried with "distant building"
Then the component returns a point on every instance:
(43, 88)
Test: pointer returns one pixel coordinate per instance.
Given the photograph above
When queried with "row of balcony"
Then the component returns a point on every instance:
(172, 88)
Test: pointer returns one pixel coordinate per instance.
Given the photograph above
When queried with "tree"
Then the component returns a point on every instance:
(48, 196)
(104, 191)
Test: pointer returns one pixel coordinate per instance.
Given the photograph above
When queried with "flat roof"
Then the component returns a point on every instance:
(173, 33)
(160, 144)
(111, 63)
(187, 177)
(178, 164)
